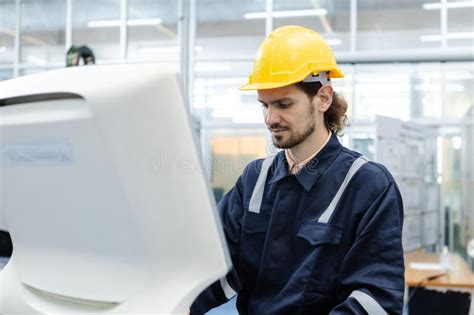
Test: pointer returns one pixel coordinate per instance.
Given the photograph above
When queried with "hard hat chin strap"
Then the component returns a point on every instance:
(321, 77)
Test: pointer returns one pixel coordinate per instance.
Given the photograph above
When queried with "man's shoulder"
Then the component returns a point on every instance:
(254, 167)
(370, 171)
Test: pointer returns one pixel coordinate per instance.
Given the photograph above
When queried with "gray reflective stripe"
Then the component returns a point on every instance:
(354, 168)
(368, 303)
(257, 194)
(228, 291)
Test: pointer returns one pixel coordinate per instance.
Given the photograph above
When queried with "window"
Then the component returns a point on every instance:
(42, 32)
(460, 24)
(153, 30)
(231, 151)
(396, 25)
(218, 100)
(382, 90)
(459, 88)
(330, 18)
(6, 74)
(222, 30)
(97, 25)
(7, 32)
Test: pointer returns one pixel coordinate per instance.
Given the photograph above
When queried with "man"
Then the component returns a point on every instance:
(315, 229)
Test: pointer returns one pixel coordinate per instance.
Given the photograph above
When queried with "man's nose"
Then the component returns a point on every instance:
(272, 116)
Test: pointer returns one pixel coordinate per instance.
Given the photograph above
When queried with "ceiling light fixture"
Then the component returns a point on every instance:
(212, 67)
(438, 38)
(164, 49)
(449, 5)
(36, 60)
(284, 14)
(114, 23)
(334, 41)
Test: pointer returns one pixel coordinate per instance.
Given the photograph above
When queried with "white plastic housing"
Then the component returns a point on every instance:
(104, 195)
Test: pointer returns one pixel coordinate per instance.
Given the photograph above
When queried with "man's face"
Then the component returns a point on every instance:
(289, 114)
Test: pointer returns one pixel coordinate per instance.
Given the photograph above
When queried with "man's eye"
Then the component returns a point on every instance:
(284, 105)
(264, 106)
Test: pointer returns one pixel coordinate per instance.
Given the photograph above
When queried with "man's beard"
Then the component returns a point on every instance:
(294, 139)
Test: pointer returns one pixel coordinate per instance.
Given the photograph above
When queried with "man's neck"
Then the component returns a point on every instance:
(311, 144)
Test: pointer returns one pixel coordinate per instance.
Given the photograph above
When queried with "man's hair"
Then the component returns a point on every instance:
(335, 118)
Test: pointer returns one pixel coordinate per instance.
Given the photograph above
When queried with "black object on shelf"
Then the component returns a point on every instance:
(432, 302)
(6, 246)
(76, 54)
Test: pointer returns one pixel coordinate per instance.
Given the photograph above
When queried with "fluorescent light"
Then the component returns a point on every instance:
(114, 23)
(459, 75)
(283, 14)
(212, 67)
(437, 38)
(223, 113)
(449, 5)
(456, 142)
(425, 87)
(334, 42)
(3, 49)
(451, 75)
(205, 91)
(464, 35)
(159, 49)
(36, 60)
(163, 49)
(248, 117)
(109, 23)
(455, 88)
(430, 38)
(136, 22)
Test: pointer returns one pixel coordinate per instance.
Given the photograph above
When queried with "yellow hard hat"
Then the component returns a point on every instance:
(288, 55)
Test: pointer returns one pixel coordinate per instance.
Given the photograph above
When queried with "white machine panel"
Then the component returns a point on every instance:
(408, 150)
(104, 195)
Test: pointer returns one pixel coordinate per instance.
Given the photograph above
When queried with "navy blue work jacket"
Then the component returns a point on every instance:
(288, 261)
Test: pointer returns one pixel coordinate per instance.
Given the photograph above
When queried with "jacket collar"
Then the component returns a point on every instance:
(313, 170)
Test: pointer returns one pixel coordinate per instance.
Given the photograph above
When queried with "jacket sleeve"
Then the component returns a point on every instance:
(230, 210)
(371, 278)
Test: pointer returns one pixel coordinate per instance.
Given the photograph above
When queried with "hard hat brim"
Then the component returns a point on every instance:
(334, 73)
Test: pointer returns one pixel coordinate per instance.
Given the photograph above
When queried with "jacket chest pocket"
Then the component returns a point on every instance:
(318, 233)
(254, 231)
(319, 248)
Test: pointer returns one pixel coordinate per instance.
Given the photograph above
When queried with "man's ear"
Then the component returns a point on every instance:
(325, 97)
